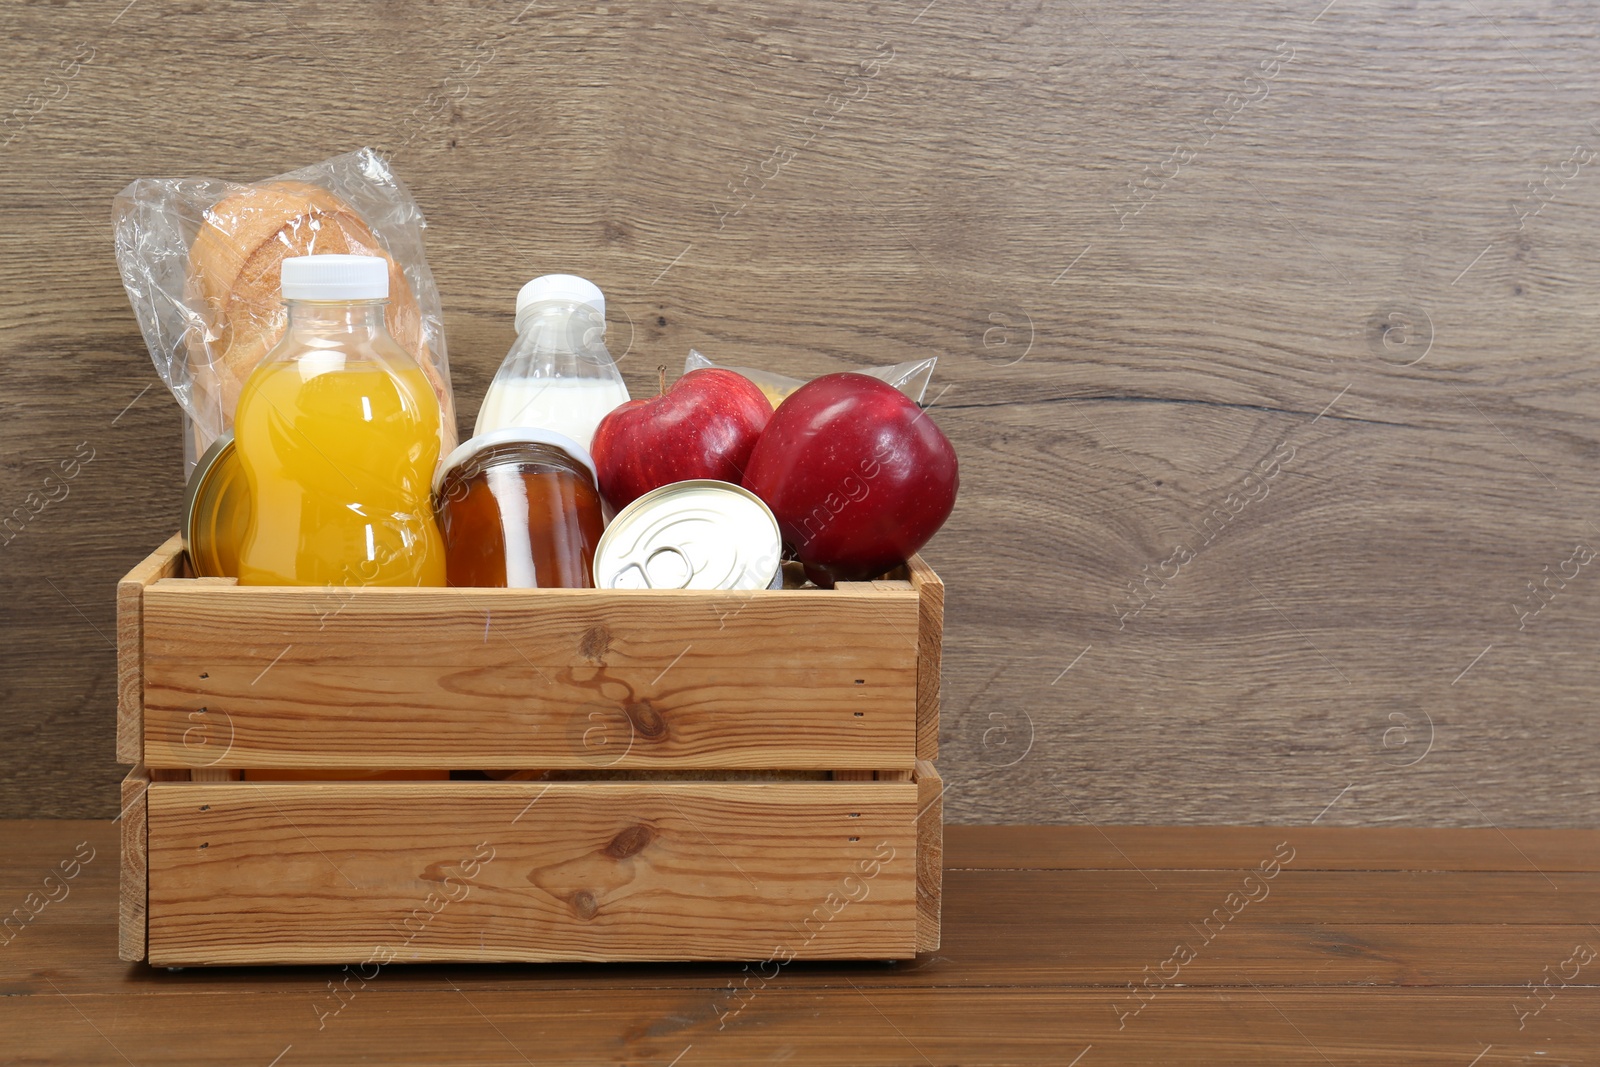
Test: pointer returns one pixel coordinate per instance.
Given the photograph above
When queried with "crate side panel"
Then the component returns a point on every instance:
(132, 885)
(930, 654)
(930, 856)
(164, 562)
(272, 677)
(346, 873)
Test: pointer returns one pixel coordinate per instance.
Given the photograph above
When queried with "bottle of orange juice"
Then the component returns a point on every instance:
(337, 432)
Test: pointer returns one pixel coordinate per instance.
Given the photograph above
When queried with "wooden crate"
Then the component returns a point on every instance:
(652, 706)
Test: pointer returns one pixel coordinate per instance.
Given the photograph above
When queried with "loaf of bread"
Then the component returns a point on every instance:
(234, 267)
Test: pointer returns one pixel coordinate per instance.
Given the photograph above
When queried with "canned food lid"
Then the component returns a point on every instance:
(510, 435)
(204, 468)
(699, 534)
(214, 512)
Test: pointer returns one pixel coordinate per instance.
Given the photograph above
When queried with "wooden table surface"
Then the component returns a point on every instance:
(1062, 945)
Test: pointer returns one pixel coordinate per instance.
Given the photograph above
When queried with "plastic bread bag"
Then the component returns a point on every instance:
(200, 260)
(911, 378)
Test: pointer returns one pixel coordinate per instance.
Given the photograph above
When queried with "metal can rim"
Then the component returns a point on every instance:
(205, 469)
(640, 503)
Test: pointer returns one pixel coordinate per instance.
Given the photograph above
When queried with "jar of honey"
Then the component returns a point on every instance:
(519, 508)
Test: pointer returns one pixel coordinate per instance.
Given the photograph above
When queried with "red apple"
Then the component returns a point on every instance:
(858, 476)
(705, 426)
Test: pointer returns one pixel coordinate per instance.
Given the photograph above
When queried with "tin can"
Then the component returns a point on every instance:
(216, 511)
(699, 534)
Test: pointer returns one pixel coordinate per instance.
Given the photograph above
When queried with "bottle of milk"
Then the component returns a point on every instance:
(558, 375)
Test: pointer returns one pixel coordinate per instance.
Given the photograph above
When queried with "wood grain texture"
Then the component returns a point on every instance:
(930, 654)
(1135, 299)
(1035, 964)
(1320, 848)
(930, 855)
(164, 562)
(133, 882)
(323, 872)
(869, 1028)
(456, 678)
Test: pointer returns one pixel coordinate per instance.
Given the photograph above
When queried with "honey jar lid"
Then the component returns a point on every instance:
(512, 435)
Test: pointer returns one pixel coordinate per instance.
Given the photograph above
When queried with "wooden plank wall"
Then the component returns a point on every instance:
(1265, 335)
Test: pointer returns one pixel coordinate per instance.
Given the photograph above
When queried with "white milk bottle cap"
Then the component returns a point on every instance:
(558, 287)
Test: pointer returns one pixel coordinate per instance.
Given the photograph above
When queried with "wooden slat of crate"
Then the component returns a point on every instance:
(331, 872)
(164, 562)
(555, 678)
(133, 878)
(930, 648)
(930, 855)
(132, 884)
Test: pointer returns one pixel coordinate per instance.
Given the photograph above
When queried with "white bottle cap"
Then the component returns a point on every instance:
(559, 287)
(336, 278)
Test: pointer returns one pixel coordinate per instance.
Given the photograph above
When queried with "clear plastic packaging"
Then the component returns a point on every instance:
(199, 258)
(911, 377)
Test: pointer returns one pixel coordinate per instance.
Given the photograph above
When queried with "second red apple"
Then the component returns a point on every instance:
(705, 426)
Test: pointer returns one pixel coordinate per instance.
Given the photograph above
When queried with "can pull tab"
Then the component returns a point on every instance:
(651, 573)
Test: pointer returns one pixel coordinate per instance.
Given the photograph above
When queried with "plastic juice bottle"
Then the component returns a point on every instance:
(337, 432)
